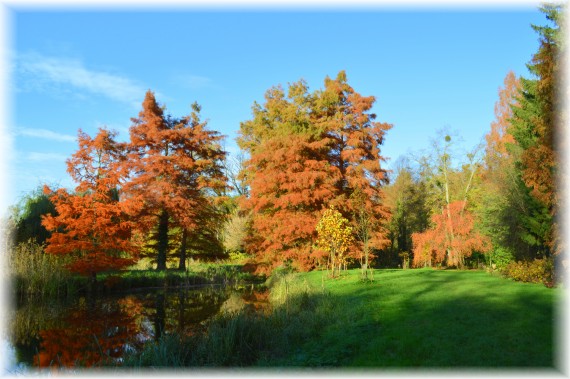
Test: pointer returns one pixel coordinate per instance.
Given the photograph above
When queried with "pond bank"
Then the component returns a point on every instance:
(129, 280)
(419, 318)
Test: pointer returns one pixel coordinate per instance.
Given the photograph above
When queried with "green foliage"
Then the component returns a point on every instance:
(535, 118)
(238, 257)
(200, 274)
(499, 258)
(408, 318)
(536, 271)
(406, 198)
(28, 217)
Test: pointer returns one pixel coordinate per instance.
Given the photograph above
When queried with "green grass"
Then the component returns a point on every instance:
(198, 274)
(404, 319)
(434, 318)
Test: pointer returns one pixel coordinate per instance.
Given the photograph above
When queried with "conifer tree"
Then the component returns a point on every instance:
(534, 124)
(308, 151)
(174, 165)
(92, 225)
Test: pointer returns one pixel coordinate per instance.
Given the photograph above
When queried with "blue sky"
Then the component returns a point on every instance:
(427, 67)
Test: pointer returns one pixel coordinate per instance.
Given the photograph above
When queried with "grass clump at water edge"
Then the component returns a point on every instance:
(406, 318)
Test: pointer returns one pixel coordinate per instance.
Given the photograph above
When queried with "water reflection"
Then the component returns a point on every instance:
(91, 331)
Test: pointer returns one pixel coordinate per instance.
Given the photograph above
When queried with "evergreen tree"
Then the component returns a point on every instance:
(534, 123)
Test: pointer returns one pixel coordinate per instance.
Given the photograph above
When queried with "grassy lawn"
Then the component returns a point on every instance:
(430, 318)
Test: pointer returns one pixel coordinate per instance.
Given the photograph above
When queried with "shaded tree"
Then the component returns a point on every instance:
(407, 201)
(27, 217)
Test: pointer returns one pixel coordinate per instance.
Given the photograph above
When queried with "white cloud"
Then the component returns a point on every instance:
(45, 134)
(43, 157)
(70, 72)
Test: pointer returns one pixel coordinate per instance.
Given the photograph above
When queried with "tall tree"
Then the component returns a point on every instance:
(451, 189)
(406, 199)
(92, 224)
(534, 123)
(27, 217)
(308, 151)
(499, 137)
(504, 202)
(174, 163)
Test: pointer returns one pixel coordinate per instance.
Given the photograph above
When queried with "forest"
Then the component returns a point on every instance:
(308, 192)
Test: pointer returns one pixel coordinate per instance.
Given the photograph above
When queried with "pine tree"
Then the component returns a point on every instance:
(535, 119)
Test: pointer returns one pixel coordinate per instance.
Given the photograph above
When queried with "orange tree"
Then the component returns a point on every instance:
(92, 225)
(308, 151)
(174, 166)
(451, 238)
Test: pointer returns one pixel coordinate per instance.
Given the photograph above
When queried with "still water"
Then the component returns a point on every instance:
(83, 331)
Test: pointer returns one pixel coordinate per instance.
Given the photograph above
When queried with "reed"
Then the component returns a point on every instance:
(35, 274)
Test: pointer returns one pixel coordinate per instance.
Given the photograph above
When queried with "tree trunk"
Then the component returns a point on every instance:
(182, 263)
(162, 243)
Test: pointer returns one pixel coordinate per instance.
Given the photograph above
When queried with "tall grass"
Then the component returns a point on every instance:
(35, 274)
(406, 318)
(246, 338)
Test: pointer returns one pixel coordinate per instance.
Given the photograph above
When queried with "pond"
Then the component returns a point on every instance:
(85, 330)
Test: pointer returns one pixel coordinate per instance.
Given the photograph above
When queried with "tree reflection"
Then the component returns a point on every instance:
(97, 332)
(94, 333)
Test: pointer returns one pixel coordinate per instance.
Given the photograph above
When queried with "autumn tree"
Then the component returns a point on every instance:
(308, 151)
(175, 167)
(502, 203)
(451, 238)
(450, 190)
(91, 224)
(335, 236)
(499, 138)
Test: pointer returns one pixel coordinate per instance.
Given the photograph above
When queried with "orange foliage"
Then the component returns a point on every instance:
(309, 151)
(449, 240)
(172, 164)
(90, 337)
(498, 138)
(92, 224)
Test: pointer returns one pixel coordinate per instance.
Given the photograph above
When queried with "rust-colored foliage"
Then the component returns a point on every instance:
(173, 163)
(308, 151)
(499, 137)
(92, 224)
(449, 239)
(90, 337)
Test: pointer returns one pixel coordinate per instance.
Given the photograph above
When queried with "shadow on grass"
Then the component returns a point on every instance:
(415, 319)
(442, 319)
